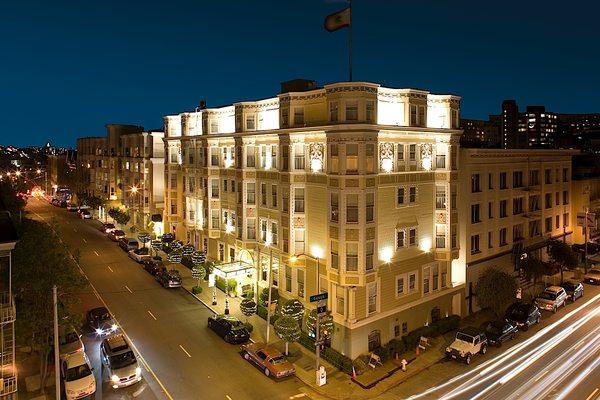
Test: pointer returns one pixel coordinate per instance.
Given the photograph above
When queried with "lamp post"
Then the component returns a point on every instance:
(268, 242)
(315, 257)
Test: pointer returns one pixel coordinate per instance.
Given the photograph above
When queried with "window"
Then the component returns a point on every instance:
(534, 177)
(548, 200)
(475, 214)
(517, 179)
(400, 239)
(490, 209)
(335, 260)
(288, 279)
(372, 297)
(221, 252)
(285, 158)
(352, 158)
(299, 157)
(548, 223)
(517, 232)
(214, 156)
(369, 253)
(370, 157)
(412, 237)
(413, 115)
(503, 206)
(412, 152)
(299, 241)
(534, 203)
(370, 111)
(426, 273)
(251, 228)
(335, 161)
(440, 197)
(300, 282)
(352, 208)
(440, 236)
(173, 207)
(224, 185)
(214, 125)
(566, 219)
(490, 240)
(299, 200)
(400, 196)
(412, 194)
(263, 194)
(285, 200)
(565, 174)
(250, 193)
(333, 111)
(565, 197)
(351, 256)
(370, 205)
(400, 154)
(334, 207)
(490, 181)
(173, 181)
(274, 196)
(503, 183)
(453, 237)
(502, 237)
(548, 176)
(263, 156)
(352, 110)
(517, 205)
(475, 188)
(215, 220)
(534, 228)
(401, 285)
(412, 282)
(475, 244)
(214, 188)
(250, 157)
(250, 122)
(339, 300)
(298, 116)
(435, 277)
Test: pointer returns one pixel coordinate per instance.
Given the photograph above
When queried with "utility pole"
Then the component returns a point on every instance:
(270, 290)
(56, 350)
(585, 232)
(317, 323)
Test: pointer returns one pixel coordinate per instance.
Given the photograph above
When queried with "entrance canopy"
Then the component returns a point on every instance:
(234, 269)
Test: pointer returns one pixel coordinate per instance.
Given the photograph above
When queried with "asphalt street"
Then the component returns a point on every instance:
(181, 357)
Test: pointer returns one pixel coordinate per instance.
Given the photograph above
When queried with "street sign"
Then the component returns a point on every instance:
(318, 297)
(321, 308)
(591, 219)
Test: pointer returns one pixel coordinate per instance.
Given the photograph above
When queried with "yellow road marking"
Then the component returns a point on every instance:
(110, 269)
(96, 253)
(127, 287)
(594, 393)
(152, 315)
(185, 351)
(84, 241)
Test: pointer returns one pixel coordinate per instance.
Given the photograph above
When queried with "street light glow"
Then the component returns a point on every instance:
(18, 173)
(134, 189)
(39, 171)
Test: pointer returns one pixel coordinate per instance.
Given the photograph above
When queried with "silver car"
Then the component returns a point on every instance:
(551, 298)
(120, 362)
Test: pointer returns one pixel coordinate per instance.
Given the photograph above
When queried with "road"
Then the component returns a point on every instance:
(182, 359)
(561, 361)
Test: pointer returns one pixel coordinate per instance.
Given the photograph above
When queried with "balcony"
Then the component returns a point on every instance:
(7, 308)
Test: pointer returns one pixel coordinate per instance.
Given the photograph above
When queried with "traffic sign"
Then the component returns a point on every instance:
(318, 297)
(321, 308)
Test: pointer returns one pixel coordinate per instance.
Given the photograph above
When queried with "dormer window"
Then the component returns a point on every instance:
(250, 123)
(352, 110)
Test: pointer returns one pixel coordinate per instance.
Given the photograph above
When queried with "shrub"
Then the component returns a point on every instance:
(447, 324)
(264, 296)
(337, 359)
(411, 340)
(306, 341)
(395, 346)
(383, 352)
(249, 326)
(196, 289)
(261, 311)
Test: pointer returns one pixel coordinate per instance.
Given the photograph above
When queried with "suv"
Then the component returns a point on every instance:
(117, 357)
(551, 298)
(469, 341)
(128, 244)
(523, 314)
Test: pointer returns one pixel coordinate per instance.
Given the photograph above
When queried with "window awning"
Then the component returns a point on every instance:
(407, 223)
(234, 269)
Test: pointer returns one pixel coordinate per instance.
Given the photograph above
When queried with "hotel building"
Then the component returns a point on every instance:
(360, 178)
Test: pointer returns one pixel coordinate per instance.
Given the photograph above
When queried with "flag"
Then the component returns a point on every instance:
(338, 20)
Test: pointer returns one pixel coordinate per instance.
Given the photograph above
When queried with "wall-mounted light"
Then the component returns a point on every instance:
(385, 254)
(426, 163)
(387, 164)
(317, 251)
(425, 245)
(316, 165)
(386, 156)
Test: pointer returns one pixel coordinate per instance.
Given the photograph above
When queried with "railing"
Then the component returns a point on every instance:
(7, 308)
(9, 385)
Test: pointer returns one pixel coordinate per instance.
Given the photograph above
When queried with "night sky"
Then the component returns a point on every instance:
(68, 68)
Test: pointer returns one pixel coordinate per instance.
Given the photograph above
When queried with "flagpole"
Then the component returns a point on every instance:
(350, 43)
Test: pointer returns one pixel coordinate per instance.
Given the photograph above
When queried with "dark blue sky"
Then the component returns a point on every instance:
(68, 68)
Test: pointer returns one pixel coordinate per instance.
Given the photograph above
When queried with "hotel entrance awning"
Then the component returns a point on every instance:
(234, 269)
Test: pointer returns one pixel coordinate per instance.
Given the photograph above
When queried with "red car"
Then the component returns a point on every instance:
(268, 359)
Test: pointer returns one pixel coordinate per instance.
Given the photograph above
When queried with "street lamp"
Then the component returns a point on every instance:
(18, 173)
(317, 253)
(268, 242)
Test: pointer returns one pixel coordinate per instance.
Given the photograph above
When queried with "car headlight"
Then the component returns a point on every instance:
(114, 327)
(114, 378)
(448, 349)
(98, 331)
(138, 371)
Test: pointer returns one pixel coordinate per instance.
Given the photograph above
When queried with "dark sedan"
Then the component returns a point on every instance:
(500, 331)
(154, 265)
(100, 320)
(523, 315)
(574, 289)
(231, 329)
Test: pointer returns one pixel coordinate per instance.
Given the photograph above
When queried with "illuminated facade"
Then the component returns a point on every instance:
(362, 177)
(512, 202)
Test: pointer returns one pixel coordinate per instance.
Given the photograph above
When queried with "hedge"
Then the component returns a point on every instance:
(261, 311)
(334, 357)
(437, 328)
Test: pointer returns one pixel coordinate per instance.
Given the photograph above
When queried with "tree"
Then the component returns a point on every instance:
(121, 217)
(199, 273)
(294, 308)
(563, 256)
(533, 268)
(496, 290)
(287, 329)
(248, 307)
(94, 202)
(40, 262)
(325, 325)
(264, 296)
(9, 198)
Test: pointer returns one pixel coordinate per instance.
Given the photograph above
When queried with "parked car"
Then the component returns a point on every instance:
(116, 234)
(127, 244)
(169, 279)
(574, 289)
(85, 214)
(154, 265)
(592, 276)
(231, 329)
(592, 248)
(268, 359)
(72, 207)
(69, 341)
(468, 342)
(77, 376)
(498, 332)
(551, 298)
(100, 320)
(82, 208)
(140, 254)
(107, 228)
(523, 315)
(119, 360)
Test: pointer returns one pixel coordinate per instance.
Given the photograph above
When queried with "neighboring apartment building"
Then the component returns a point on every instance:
(512, 202)
(60, 171)
(8, 315)
(586, 197)
(362, 177)
(126, 168)
(480, 134)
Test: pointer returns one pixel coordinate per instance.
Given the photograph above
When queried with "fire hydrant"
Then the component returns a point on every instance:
(404, 364)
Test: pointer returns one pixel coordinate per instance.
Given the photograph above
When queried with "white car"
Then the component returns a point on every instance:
(77, 376)
(139, 255)
(69, 342)
(592, 276)
(551, 298)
